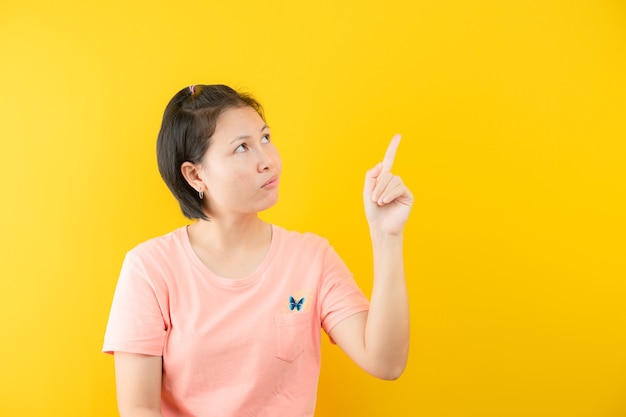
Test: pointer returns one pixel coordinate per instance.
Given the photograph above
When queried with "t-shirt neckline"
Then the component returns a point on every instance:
(229, 282)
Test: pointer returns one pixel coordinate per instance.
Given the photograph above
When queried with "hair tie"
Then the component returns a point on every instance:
(192, 88)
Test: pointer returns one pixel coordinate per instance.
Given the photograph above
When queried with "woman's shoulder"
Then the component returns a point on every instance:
(168, 243)
(293, 238)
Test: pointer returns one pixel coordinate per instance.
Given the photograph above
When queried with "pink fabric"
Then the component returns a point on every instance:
(247, 347)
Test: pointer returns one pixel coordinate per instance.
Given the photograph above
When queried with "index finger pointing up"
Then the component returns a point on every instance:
(391, 153)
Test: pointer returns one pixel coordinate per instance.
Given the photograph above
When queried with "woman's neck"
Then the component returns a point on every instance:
(231, 233)
(231, 249)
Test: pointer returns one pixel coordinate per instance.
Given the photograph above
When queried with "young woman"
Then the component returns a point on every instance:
(222, 317)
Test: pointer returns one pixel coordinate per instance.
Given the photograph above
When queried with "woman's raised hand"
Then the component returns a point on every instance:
(387, 200)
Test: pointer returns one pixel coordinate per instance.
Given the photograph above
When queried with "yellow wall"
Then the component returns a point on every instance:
(514, 122)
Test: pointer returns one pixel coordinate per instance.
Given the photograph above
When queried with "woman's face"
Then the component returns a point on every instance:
(241, 168)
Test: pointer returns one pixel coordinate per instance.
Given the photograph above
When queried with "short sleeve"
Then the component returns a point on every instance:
(341, 297)
(136, 320)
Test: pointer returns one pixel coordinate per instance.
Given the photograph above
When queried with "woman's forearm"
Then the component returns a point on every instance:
(387, 331)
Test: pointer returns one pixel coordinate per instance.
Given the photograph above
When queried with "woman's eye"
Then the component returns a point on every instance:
(265, 139)
(241, 148)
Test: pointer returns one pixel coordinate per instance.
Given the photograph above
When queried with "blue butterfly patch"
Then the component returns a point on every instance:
(295, 305)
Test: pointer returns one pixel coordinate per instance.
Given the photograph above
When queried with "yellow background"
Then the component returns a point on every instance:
(514, 122)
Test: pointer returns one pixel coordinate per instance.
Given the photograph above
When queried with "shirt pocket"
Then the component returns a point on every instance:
(291, 335)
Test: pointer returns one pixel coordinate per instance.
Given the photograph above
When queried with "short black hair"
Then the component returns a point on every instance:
(188, 123)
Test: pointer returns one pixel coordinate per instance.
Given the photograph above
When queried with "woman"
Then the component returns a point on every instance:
(223, 317)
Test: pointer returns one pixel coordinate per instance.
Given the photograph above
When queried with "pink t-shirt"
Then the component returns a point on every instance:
(232, 348)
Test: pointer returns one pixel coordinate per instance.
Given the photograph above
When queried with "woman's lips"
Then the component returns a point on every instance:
(271, 183)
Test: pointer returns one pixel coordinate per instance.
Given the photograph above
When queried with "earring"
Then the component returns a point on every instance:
(201, 194)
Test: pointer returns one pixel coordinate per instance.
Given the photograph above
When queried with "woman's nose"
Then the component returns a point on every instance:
(265, 160)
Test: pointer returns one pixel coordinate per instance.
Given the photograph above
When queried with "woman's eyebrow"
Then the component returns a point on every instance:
(248, 136)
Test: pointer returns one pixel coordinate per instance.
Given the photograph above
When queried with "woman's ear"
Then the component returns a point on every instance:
(191, 172)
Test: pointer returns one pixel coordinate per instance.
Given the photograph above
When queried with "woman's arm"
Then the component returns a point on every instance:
(378, 340)
(138, 381)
